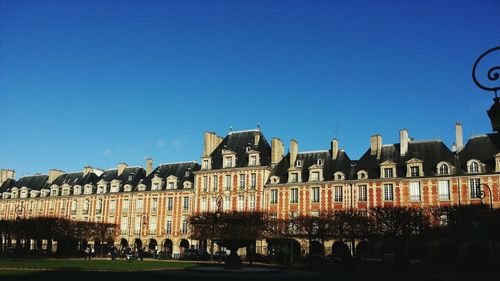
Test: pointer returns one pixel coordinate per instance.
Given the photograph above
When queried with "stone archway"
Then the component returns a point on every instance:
(340, 250)
(316, 249)
(168, 248)
(137, 244)
(153, 246)
(123, 243)
(184, 244)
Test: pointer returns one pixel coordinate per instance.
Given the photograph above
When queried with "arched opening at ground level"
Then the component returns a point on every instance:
(137, 244)
(316, 249)
(168, 246)
(153, 246)
(283, 250)
(340, 250)
(123, 243)
(184, 244)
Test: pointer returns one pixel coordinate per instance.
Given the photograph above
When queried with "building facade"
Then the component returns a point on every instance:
(243, 172)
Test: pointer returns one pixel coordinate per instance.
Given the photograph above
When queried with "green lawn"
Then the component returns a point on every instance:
(79, 264)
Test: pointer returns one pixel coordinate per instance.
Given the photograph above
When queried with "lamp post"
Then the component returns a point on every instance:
(482, 194)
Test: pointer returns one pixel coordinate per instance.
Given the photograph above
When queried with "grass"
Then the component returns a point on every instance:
(90, 265)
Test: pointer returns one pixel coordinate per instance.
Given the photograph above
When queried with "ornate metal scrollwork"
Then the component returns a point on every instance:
(493, 74)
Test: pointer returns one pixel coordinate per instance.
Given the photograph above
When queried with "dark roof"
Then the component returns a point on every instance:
(430, 152)
(6, 185)
(482, 148)
(130, 175)
(76, 179)
(330, 166)
(183, 171)
(238, 142)
(36, 182)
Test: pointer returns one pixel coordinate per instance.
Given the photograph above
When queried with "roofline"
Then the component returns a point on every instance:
(243, 131)
(312, 151)
(182, 162)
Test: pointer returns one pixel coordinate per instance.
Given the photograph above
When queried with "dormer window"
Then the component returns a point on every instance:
(319, 162)
(314, 176)
(388, 173)
(338, 176)
(171, 185)
(294, 177)
(444, 169)
(205, 163)
(414, 171)
(140, 187)
(155, 186)
(14, 193)
(298, 163)
(87, 189)
(172, 182)
(275, 179)
(24, 193)
(115, 186)
(228, 161)
(187, 185)
(362, 175)
(54, 192)
(248, 148)
(473, 167)
(101, 189)
(253, 160)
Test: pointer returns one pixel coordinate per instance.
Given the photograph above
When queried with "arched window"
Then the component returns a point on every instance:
(444, 170)
(474, 167)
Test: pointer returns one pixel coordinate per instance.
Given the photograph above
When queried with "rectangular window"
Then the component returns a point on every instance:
(156, 186)
(73, 207)
(294, 195)
(241, 202)
(86, 204)
(168, 225)
(475, 188)
(387, 172)
(124, 226)
(213, 205)
(253, 180)
(137, 225)
(205, 164)
(252, 202)
(315, 176)
(152, 225)
(228, 162)
(253, 160)
(242, 181)
(215, 185)
(204, 204)
(362, 193)
(171, 185)
(388, 192)
(185, 205)
(339, 195)
(112, 206)
(415, 191)
(125, 205)
(154, 205)
(205, 183)
(228, 182)
(315, 194)
(63, 205)
(274, 196)
(139, 205)
(184, 225)
(227, 203)
(294, 177)
(444, 190)
(98, 207)
(414, 171)
(170, 204)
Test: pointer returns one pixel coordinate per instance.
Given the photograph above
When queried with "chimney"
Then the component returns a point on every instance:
(149, 166)
(87, 170)
(210, 142)
(256, 138)
(53, 174)
(376, 145)
(335, 149)
(294, 150)
(403, 141)
(121, 168)
(277, 151)
(6, 174)
(459, 139)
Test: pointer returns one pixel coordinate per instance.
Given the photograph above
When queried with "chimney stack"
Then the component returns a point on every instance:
(277, 151)
(149, 166)
(53, 174)
(121, 168)
(6, 174)
(294, 150)
(376, 145)
(459, 139)
(256, 138)
(335, 149)
(210, 143)
(404, 139)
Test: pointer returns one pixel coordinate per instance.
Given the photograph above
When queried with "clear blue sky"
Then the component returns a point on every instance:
(102, 82)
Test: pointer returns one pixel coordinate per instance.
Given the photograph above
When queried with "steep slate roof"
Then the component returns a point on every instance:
(482, 148)
(130, 175)
(430, 152)
(183, 171)
(76, 179)
(341, 164)
(36, 182)
(237, 142)
(6, 185)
